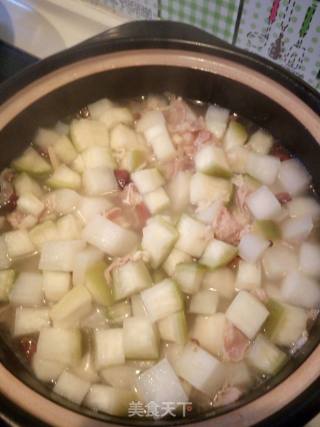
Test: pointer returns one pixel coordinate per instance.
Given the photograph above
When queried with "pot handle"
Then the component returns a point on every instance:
(157, 30)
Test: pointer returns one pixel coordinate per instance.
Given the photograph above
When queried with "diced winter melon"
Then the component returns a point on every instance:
(309, 259)
(71, 308)
(97, 108)
(69, 227)
(193, 236)
(60, 255)
(178, 190)
(208, 331)
(18, 243)
(304, 206)
(89, 207)
(23, 183)
(263, 167)
(175, 258)
(247, 313)
(78, 164)
(252, 247)
(216, 120)
(260, 142)
(201, 369)
(45, 232)
(60, 345)
(133, 159)
(30, 204)
(212, 160)
(27, 290)
(123, 138)
(263, 204)
(206, 189)
(157, 201)
(30, 320)
(64, 150)
(137, 306)
(31, 162)
(294, 177)
(300, 290)
(285, 323)
(147, 180)
(158, 275)
(85, 369)
(5, 261)
(109, 348)
(64, 177)
(238, 158)
(140, 340)
(87, 133)
(6, 282)
(96, 320)
(122, 376)
(235, 136)
(204, 302)
(267, 229)
(174, 328)
(99, 181)
(159, 236)
(189, 277)
(129, 279)
(82, 262)
(278, 261)
(221, 280)
(295, 230)
(97, 157)
(265, 356)
(207, 214)
(162, 299)
(160, 384)
(113, 401)
(117, 313)
(109, 237)
(44, 138)
(56, 284)
(71, 387)
(218, 254)
(46, 370)
(97, 285)
(239, 375)
(116, 115)
(248, 276)
(61, 128)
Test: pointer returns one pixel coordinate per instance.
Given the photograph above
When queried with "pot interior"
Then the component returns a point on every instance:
(194, 84)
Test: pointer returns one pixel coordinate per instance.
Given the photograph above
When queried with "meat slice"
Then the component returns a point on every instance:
(226, 227)
(235, 343)
(227, 396)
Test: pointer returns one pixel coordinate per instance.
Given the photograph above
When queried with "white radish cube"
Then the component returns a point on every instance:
(162, 299)
(248, 276)
(247, 313)
(193, 236)
(99, 181)
(160, 384)
(263, 204)
(71, 387)
(60, 345)
(147, 180)
(27, 290)
(89, 207)
(46, 370)
(297, 289)
(59, 255)
(201, 369)
(221, 280)
(294, 177)
(97, 157)
(252, 246)
(82, 262)
(157, 201)
(262, 167)
(216, 120)
(30, 320)
(109, 237)
(18, 243)
(87, 133)
(56, 284)
(278, 261)
(209, 332)
(64, 200)
(109, 348)
(309, 259)
(304, 206)
(218, 254)
(114, 401)
(139, 339)
(212, 160)
(175, 258)
(205, 189)
(204, 302)
(296, 230)
(159, 236)
(30, 204)
(178, 190)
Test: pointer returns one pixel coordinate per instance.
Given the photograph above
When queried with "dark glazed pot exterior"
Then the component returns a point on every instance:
(123, 65)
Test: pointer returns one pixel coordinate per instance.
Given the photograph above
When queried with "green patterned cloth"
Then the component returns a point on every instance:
(218, 17)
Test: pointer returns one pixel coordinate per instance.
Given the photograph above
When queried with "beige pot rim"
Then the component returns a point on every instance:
(309, 371)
